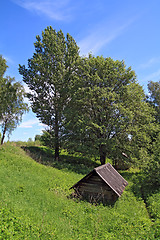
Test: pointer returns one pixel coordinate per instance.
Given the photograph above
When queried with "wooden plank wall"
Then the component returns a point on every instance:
(95, 188)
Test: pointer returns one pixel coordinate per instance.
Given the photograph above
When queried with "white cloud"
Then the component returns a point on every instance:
(101, 35)
(32, 123)
(42, 125)
(26, 88)
(57, 10)
(29, 123)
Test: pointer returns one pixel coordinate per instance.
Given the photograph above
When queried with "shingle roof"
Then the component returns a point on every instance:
(110, 176)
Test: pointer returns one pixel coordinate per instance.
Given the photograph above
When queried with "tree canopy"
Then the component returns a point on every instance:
(50, 76)
(154, 97)
(93, 104)
(108, 114)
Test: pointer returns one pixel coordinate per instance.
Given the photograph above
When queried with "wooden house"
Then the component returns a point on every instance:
(102, 184)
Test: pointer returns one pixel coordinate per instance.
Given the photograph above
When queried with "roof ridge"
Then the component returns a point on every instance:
(102, 166)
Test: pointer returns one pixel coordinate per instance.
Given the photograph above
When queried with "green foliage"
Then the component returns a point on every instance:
(91, 105)
(12, 104)
(154, 97)
(154, 205)
(35, 204)
(47, 139)
(3, 67)
(154, 210)
(70, 162)
(37, 137)
(50, 76)
(30, 140)
(152, 169)
(15, 227)
(108, 115)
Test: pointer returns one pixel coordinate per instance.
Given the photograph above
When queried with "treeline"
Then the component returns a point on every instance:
(93, 105)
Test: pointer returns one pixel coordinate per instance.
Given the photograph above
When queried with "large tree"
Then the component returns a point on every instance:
(50, 76)
(108, 114)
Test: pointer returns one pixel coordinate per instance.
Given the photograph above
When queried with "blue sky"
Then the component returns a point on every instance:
(124, 30)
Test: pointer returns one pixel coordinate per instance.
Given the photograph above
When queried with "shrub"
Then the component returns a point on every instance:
(47, 139)
(152, 169)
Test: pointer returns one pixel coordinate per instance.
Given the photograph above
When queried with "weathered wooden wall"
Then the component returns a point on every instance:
(95, 189)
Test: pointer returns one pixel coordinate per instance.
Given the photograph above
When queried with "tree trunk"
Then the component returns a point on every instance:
(102, 153)
(4, 132)
(56, 139)
(56, 156)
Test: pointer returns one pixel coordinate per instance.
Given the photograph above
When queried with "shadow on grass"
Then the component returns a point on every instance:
(92, 201)
(80, 165)
(140, 187)
(45, 156)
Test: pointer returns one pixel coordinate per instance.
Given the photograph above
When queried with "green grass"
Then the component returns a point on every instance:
(35, 201)
(153, 202)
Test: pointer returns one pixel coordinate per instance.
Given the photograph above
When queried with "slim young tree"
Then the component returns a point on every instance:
(3, 68)
(13, 106)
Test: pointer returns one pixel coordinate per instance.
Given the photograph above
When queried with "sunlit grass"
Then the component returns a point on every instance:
(35, 201)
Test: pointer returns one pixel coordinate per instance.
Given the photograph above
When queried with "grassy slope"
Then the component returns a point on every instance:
(35, 204)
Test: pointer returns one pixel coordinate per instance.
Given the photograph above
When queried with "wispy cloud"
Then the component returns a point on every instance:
(26, 88)
(150, 63)
(42, 125)
(102, 35)
(29, 123)
(155, 76)
(57, 10)
(8, 59)
(32, 123)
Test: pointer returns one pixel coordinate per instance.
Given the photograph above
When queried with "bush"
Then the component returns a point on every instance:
(152, 169)
(47, 139)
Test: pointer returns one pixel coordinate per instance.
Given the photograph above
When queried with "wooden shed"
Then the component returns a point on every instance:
(102, 184)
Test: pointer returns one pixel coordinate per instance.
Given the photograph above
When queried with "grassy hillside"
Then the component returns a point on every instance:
(35, 201)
